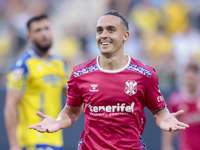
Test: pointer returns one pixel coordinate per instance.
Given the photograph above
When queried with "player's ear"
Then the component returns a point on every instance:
(28, 37)
(126, 36)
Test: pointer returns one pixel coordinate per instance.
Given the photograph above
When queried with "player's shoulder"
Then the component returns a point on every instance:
(57, 58)
(87, 67)
(140, 67)
(21, 61)
(86, 64)
(141, 64)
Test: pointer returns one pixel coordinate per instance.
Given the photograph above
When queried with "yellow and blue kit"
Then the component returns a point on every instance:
(42, 82)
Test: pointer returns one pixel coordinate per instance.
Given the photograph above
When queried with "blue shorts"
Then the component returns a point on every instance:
(140, 140)
(42, 147)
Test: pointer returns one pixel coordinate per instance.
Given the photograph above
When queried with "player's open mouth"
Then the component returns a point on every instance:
(104, 43)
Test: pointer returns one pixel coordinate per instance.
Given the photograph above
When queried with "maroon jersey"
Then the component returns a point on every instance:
(114, 103)
(188, 139)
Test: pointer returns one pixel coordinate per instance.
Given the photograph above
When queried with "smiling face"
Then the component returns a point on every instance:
(191, 80)
(40, 35)
(111, 34)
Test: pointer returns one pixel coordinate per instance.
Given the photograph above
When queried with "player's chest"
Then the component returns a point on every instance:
(121, 86)
(191, 112)
(45, 73)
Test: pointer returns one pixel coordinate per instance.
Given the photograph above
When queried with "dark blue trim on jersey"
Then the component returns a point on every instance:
(80, 143)
(21, 63)
(73, 107)
(36, 52)
(86, 70)
(40, 56)
(80, 65)
(139, 69)
(44, 147)
(160, 108)
(138, 61)
(89, 61)
(142, 143)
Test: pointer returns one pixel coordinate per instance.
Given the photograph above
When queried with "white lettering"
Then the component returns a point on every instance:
(160, 98)
(122, 107)
(95, 108)
(108, 108)
(114, 108)
(90, 108)
(128, 109)
(132, 106)
(118, 107)
(101, 107)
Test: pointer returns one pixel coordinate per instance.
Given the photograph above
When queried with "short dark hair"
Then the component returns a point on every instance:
(194, 67)
(35, 18)
(120, 15)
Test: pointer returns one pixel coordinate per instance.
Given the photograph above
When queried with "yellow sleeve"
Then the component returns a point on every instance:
(17, 78)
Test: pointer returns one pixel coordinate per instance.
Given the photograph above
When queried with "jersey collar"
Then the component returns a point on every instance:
(35, 53)
(113, 71)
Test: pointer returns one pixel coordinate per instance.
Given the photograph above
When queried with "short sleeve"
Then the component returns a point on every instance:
(153, 96)
(17, 76)
(74, 98)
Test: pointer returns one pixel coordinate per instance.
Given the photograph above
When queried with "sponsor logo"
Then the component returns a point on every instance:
(160, 98)
(51, 79)
(94, 86)
(122, 108)
(130, 87)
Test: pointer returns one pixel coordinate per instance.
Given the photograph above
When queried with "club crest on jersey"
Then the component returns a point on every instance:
(39, 67)
(130, 87)
(16, 74)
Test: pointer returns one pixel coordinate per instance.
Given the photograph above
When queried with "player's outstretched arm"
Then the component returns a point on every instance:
(66, 118)
(49, 124)
(167, 121)
(13, 98)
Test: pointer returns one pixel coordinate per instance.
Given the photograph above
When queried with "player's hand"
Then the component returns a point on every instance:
(170, 123)
(49, 124)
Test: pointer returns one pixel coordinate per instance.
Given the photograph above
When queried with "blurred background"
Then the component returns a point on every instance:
(164, 34)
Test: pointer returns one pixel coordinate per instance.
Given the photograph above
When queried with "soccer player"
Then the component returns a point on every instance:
(188, 99)
(35, 83)
(114, 88)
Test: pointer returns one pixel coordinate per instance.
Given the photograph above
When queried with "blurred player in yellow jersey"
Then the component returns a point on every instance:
(35, 83)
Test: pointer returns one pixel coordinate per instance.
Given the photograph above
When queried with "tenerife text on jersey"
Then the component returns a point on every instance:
(121, 109)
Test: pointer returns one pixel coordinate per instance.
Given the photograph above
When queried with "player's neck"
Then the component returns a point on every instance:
(190, 95)
(46, 55)
(113, 63)
(43, 54)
